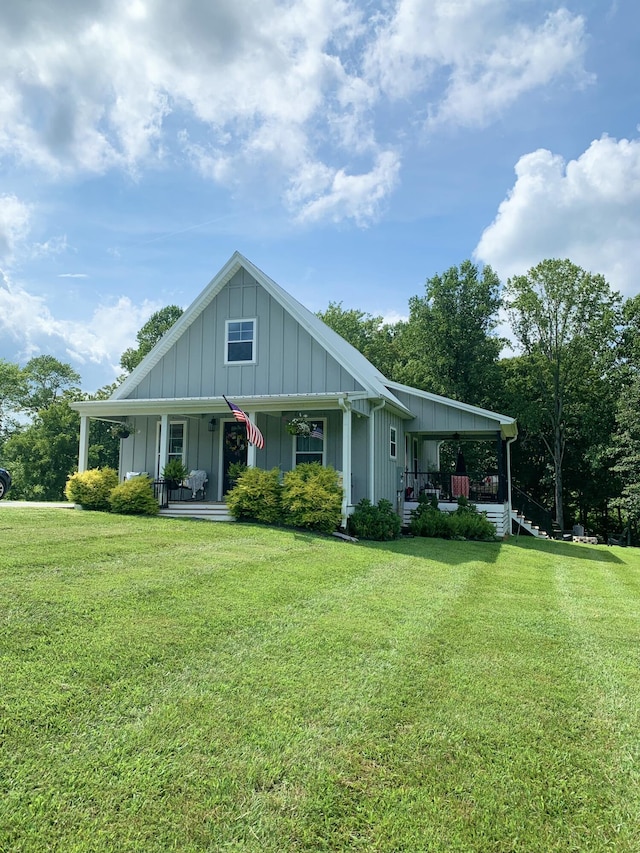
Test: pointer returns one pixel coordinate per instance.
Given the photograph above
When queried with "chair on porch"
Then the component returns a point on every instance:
(197, 482)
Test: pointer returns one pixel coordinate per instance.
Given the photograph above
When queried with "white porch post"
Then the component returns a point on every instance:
(345, 405)
(251, 448)
(372, 450)
(164, 443)
(83, 451)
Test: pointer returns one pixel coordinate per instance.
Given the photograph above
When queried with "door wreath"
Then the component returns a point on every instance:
(236, 442)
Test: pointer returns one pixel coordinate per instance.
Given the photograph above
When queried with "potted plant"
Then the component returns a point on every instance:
(121, 430)
(299, 426)
(174, 473)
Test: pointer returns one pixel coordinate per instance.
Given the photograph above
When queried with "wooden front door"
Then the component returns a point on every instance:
(234, 449)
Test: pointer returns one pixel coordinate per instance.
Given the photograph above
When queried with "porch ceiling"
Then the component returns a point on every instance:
(212, 405)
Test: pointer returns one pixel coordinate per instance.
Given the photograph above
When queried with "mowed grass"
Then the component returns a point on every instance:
(173, 685)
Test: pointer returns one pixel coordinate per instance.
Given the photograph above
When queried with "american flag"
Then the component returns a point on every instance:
(254, 436)
(316, 431)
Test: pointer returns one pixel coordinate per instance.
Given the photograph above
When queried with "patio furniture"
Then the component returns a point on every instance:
(197, 481)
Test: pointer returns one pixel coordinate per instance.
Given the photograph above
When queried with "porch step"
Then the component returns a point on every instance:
(525, 524)
(204, 510)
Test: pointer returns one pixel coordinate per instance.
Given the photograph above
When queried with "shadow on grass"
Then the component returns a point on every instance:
(594, 553)
(454, 551)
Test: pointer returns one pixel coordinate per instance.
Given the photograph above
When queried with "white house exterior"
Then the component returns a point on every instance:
(246, 338)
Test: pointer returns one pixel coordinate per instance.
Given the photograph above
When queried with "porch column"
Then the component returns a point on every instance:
(502, 490)
(83, 451)
(164, 443)
(251, 448)
(345, 405)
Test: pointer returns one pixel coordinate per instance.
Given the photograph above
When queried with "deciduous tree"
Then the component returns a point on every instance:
(566, 322)
(449, 345)
(149, 335)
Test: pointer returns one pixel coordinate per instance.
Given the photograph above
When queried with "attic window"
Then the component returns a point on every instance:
(240, 341)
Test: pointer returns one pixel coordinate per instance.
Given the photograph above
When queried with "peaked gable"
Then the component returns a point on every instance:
(343, 360)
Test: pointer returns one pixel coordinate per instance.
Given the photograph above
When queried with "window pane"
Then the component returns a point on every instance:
(240, 351)
(306, 444)
(301, 458)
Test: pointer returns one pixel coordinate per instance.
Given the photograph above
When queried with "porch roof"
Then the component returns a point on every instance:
(212, 405)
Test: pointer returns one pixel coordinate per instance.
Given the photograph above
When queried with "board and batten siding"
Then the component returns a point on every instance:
(386, 477)
(432, 416)
(288, 359)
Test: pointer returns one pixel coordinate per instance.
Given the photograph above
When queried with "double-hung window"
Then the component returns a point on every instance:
(240, 345)
(393, 442)
(176, 449)
(310, 448)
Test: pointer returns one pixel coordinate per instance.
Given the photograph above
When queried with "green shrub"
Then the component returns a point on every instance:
(175, 471)
(430, 521)
(257, 496)
(91, 489)
(134, 497)
(465, 523)
(379, 523)
(312, 497)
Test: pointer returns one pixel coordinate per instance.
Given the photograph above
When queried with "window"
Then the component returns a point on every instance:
(393, 442)
(240, 343)
(177, 446)
(310, 448)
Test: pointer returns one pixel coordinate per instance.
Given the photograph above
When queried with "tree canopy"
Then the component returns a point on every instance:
(566, 322)
(149, 335)
(448, 345)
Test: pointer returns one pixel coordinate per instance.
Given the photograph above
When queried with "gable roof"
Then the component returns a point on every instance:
(507, 425)
(375, 384)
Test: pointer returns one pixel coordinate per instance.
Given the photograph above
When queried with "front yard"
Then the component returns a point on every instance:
(175, 685)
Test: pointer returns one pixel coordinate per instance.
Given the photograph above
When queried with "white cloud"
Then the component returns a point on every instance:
(263, 92)
(28, 322)
(15, 218)
(487, 61)
(340, 196)
(587, 210)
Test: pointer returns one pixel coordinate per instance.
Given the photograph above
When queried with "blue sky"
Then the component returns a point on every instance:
(351, 150)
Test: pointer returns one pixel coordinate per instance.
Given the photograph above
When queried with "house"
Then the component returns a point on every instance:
(246, 338)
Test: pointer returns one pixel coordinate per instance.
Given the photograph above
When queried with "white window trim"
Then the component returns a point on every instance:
(323, 421)
(253, 320)
(393, 442)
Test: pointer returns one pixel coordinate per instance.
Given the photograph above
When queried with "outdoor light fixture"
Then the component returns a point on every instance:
(211, 426)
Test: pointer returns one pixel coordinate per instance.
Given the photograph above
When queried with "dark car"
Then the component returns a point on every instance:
(5, 482)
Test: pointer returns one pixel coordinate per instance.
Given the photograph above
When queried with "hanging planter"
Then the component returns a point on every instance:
(121, 430)
(299, 426)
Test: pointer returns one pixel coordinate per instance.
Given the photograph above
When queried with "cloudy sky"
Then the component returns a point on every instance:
(349, 148)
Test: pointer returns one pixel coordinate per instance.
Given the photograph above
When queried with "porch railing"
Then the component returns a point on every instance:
(535, 512)
(478, 487)
(161, 493)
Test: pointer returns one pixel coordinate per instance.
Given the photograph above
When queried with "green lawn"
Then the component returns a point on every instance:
(170, 685)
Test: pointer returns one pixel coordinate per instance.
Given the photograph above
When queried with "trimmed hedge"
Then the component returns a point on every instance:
(134, 497)
(312, 497)
(256, 496)
(91, 489)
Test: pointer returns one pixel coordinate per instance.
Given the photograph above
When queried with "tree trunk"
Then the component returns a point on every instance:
(557, 466)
